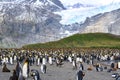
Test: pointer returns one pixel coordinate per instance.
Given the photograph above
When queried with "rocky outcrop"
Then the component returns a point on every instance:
(108, 22)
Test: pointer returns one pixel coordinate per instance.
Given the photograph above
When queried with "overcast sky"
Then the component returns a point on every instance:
(90, 2)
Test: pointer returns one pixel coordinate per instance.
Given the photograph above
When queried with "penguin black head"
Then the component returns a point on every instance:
(27, 60)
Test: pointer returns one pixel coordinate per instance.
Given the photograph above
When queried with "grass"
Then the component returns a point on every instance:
(89, 40)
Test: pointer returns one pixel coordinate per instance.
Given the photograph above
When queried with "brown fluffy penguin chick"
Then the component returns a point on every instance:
(5, 69)
(14, 76)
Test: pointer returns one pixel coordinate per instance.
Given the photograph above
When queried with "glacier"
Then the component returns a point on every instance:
(77, 15)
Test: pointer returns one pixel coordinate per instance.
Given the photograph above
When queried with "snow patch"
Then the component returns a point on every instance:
(38, 3)
(53, 4)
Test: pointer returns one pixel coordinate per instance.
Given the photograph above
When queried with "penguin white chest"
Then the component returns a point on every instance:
(25, 70)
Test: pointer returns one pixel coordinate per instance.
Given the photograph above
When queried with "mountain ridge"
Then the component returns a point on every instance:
(103, 22)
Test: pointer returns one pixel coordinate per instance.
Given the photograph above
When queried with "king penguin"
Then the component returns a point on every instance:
(18, 68)
(19, 71)
(35, 74)
(21, 77)
(11, 60)
(80, 75)
(43, 68)
(25, 69)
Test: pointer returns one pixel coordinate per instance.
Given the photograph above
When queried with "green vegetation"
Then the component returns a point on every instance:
(89, 40)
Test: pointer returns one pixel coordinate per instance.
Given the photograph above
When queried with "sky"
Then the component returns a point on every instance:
(90, 2)
(73, 15)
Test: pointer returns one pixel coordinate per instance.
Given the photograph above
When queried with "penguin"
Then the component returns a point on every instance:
(21, 77)
(50, 60)
(18, 68)
(78, 59)
(25, 69)
(43, 68)
(6, 59)
(35, 74)
(118, 65)
(74, 64)
(43, 60)
(38, 61)
(70, 59)
(11, 60)
(15, 58)
(3, 60)
(80, 75)
(81, 66)
(5, 69)
(0, 60)
(14, 76)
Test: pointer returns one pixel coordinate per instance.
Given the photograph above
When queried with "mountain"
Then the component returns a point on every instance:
(88, 40)
(77, 11)
(52, 5)
(108, 22)
(28, 21)
(25, 22)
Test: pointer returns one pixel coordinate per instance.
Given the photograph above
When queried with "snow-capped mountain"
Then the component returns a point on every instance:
(52, 5)
(78, 10)
(96, 16)
(34, 21)
(29, 21)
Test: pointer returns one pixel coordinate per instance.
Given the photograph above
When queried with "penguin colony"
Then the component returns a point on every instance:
(24, 58)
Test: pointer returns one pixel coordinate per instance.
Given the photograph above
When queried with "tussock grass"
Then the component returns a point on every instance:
(89, 40)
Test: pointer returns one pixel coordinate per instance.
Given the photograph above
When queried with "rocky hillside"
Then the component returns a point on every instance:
(108, 22)
(28, 21)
